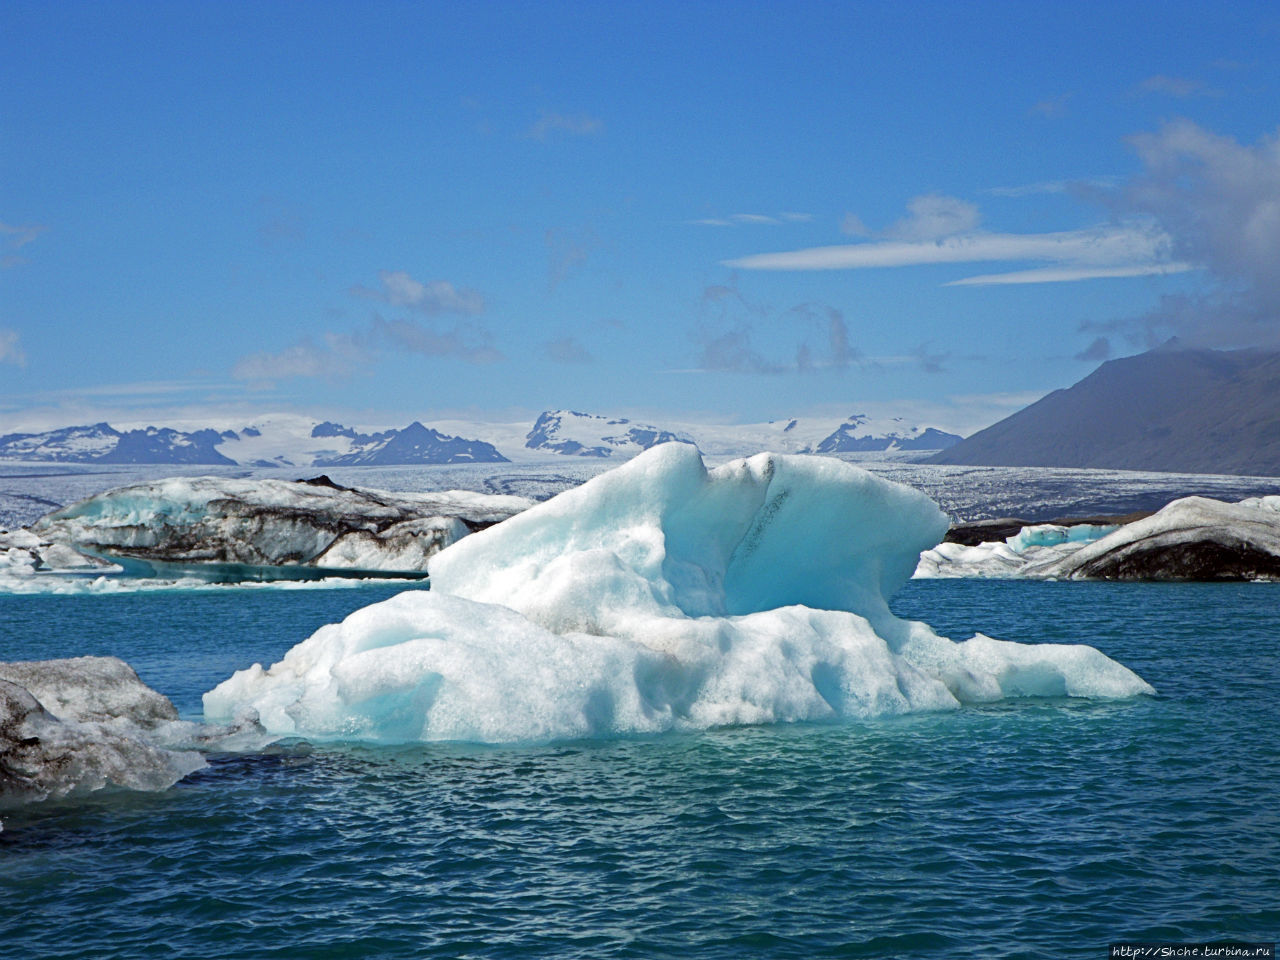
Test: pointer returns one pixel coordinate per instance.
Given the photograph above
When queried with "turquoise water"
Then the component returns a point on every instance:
(1034, 829)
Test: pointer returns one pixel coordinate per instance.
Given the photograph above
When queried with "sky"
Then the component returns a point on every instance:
(730, 212)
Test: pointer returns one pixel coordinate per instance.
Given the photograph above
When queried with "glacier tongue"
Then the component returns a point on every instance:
(659, 596)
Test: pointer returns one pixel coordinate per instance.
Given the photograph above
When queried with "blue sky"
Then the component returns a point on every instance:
(728, 211)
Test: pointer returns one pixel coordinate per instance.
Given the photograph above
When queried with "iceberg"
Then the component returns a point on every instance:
(1192, 538)
(1027, 554)
(659, 596)
(74, 726)
(257, 528)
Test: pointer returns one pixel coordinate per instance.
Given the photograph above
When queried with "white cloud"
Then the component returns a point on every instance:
(853, 226)
(933, 216)
(578, 125)
(399, 289)
(1181, 87)
(752, 219)
(1054, 186)
(1069, 274)
(1125, 246)
(10, 349)
(336, 358)
(1219, 202)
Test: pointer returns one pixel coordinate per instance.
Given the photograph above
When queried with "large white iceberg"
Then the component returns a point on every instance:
(659, 596)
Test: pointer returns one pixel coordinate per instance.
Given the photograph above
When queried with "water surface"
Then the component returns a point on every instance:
(1044, 828)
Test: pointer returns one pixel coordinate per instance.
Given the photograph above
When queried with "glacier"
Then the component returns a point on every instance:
(659, 596)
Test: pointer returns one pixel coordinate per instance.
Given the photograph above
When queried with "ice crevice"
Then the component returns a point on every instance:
(661, 595)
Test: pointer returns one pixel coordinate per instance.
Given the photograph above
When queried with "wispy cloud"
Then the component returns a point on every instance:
(469, 343)
(1070, 274)
(753, 219)
(567, 250)
(726, 335)
(436, 297)
(577, 125)
(1096, 352)
(1054, 186)
(851, 225)
(1218, 202)
(1052, 106)
(567, 350)
(14, 238)
(11, 349)
(140, 389)
(335, 357)
(1125, 247)
(1180, 87)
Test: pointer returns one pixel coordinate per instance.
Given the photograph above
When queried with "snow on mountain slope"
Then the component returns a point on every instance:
(587, 435)
(855, 434)
(291, 440)
(414, 444)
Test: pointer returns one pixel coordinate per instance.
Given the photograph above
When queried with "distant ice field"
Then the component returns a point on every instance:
(28, 491)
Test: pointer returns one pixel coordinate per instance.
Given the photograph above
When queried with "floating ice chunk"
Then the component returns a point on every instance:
(1025, 555)
(74, 726)
(1194, 538)
(1052, 534)
(266, 523)
(659, 596)
(94, 689)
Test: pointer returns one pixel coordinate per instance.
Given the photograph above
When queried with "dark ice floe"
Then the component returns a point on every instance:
(1193, 538)
(74, 726)
(251, 529)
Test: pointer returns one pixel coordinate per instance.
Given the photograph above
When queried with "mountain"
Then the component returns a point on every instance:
(67, 445)
(102, 443)
(856, 435)
(1170, 409)
(291, 440)
(414, 444)
(165, 445)
(272, 442)
(587, 435)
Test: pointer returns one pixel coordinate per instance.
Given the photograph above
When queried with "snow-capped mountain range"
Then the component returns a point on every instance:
(288, 440)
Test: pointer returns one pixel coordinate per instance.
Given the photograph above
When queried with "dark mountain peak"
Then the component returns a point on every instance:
(1189, 410)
